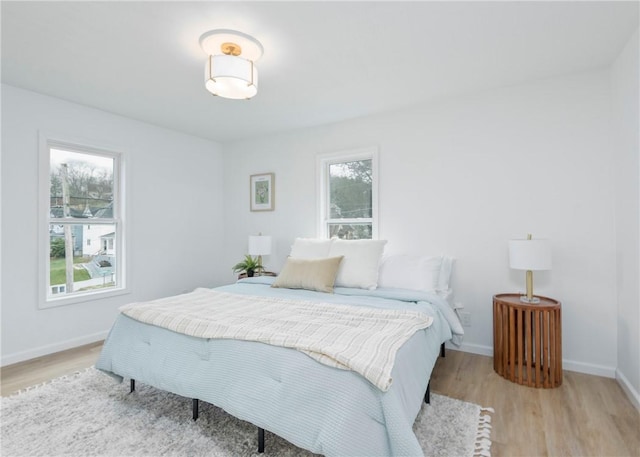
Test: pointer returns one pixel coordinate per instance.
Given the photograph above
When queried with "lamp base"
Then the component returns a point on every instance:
(533, 300)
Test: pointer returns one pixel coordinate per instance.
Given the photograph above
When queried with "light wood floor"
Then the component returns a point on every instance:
(586, 416)
(36, 371)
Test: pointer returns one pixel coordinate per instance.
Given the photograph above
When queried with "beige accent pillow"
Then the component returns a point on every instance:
(310, 274)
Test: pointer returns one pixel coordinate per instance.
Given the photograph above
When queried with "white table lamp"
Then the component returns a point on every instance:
(259, 245)
(530, 255)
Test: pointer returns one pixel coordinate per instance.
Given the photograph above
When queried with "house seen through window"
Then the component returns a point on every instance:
(84, 224)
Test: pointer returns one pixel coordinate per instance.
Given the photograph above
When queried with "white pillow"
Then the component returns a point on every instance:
(445, 273)
(310, 248)
(410, 272)
(359, 267)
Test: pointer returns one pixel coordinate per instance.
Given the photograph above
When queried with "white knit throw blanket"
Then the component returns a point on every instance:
(357, 338)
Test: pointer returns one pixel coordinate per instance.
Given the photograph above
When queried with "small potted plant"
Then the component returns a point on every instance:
(249, 265)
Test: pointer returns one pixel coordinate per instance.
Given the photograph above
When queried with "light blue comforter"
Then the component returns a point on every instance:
(325, 410)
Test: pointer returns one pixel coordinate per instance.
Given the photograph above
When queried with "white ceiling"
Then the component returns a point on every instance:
(323, 61)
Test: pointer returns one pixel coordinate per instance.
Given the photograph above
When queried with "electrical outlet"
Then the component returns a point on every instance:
(465, 317)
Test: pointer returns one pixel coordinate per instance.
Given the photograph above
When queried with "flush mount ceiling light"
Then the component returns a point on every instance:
(230, 70)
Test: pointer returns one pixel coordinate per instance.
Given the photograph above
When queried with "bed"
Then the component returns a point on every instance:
(324, 409)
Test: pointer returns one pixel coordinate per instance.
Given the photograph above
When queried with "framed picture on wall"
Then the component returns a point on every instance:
(261, 190)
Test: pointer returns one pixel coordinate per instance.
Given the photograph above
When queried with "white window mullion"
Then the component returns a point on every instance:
(324, 165)
(95, 199)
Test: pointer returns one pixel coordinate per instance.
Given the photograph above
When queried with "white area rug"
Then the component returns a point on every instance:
(89, 414)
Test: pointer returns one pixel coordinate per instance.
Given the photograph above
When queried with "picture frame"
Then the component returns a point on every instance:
(262, 192)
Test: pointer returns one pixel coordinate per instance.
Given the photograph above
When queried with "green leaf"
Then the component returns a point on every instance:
(249, 263)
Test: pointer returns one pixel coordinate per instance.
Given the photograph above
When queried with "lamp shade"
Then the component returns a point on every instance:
(259, 245)
(530, 254)
(230, 77)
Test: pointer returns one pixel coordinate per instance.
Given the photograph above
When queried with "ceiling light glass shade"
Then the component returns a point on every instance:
(229, 76)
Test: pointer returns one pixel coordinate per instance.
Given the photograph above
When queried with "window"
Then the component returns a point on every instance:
(348, 197)
(82, 226)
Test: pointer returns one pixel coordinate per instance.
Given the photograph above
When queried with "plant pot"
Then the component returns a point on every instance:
(250, 273)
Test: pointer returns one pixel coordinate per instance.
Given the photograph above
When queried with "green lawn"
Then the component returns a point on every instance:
(58, 271)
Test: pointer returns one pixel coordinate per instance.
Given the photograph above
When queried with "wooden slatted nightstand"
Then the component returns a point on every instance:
(527, 340)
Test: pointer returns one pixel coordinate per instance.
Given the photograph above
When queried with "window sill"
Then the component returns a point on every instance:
(82, 298)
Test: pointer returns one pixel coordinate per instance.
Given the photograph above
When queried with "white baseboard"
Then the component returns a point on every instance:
(52, 348)
(632, 393)
(569, 365)
(472, 348)
(589, 368)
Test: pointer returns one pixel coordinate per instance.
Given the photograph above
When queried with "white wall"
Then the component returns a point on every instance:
(174, 197)
(626, 124)
(462, 176)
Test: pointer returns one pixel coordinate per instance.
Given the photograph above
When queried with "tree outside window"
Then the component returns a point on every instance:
(348, 187)
(83, 220)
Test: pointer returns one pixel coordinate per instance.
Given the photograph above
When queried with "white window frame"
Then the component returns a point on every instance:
(46, 143)
(323, 161)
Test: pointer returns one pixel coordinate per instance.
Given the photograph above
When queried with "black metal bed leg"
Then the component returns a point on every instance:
(442, 350)
(427, 394)
(260, 440)
(132, 385)
(195, 409)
